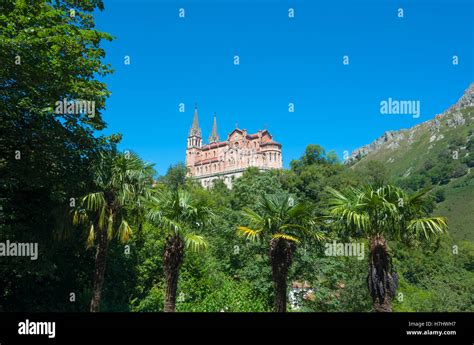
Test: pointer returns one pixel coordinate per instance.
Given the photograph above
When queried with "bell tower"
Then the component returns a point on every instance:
(194, 142)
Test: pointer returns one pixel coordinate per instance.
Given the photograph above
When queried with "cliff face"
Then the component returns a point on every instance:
(467, 100)
(389, 137)
(393, 139)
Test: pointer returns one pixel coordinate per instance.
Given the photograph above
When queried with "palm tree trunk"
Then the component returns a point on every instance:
(381, 281)
(99, 273)
(384, 307)
(173, 257)
(281, 257)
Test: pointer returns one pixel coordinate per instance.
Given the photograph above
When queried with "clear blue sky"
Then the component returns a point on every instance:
(282, 60)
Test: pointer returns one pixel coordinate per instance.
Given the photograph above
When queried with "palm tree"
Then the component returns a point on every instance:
(180, 217)
(120, 179)
(281, 221)
(379, 214)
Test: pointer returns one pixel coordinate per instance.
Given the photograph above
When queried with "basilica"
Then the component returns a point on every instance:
(228, 159)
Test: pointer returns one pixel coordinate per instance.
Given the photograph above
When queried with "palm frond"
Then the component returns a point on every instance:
(195, 242)
(94, 201)
(250, 234)
(170, 225)
(428, 227)
(79, 216)
(252, 216)
(124, 231)
(91, 236)
(286, 237)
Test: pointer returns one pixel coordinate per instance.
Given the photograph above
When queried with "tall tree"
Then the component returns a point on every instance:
(379, 214)
(120, 179)
(180, 217)
(281, 221)
(49, 51)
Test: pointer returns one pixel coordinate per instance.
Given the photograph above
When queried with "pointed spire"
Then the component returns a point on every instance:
(195, 130)
(214, 137)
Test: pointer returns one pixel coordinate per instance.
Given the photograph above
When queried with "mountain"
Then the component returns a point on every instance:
(437, 153)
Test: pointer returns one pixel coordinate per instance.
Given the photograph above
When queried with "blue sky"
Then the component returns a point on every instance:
(282, 60)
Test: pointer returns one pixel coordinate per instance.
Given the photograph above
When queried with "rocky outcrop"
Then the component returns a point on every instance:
(391, 137)
(467, 100)
(456, 120)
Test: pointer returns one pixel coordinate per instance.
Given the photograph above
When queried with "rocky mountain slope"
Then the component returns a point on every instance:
(391, 139)
(438, 153)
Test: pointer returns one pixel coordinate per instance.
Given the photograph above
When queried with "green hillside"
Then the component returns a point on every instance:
(437, 153)
(458, 207)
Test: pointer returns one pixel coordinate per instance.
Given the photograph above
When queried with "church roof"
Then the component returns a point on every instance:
(270, 143)
(235, 130)
(214, 145)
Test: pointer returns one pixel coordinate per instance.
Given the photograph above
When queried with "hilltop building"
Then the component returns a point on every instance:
(228, 159)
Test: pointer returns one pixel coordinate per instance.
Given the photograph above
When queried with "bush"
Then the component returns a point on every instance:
(469, 161)
(459, 170)
(153, 302)
(440, 195)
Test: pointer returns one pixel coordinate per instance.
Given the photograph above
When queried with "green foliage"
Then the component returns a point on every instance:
(175, 176)
(176, 212)
(280, 216)
(152, 302)
(436, 279)
(375, 173)
(247, 189)
(120, 181)
(440, 195)
(387, 211)
(219, 293)
(338, 286)
(315, 170)
(314, 155)
(44, 156)
(202, 286)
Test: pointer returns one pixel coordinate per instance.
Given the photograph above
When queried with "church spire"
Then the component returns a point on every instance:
(195, 130)
(214, 137)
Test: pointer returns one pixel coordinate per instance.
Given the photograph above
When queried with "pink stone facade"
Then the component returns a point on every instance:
(228, 159)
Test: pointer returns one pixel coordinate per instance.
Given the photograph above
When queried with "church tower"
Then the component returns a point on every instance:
(194, 145)
(195, 136)
(214, 137)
